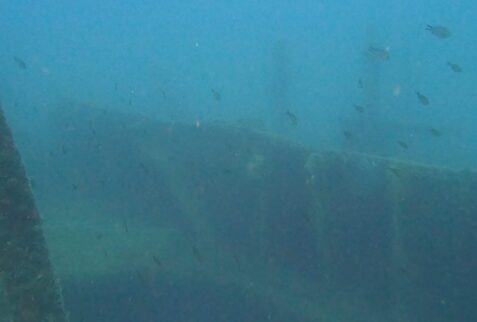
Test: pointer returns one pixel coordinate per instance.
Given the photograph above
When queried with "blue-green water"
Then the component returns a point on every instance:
(170, 145)
(162, 59)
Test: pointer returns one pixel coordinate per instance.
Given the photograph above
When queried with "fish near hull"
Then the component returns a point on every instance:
(440, 32)
(422, 99)
(379, 53)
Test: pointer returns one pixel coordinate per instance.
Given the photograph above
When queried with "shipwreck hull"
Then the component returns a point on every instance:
(222, 223)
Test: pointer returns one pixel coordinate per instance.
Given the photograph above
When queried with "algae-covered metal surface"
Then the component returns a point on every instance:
(182, 216)
(399, 232)
(32, 293)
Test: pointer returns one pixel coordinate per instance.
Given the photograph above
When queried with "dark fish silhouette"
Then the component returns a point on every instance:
(141, 277)
(439, 31)
(435, 132)
(359, 108)
(197, 254)
(156, 260)
(227, 171)
(125, 225)
(379, 53)
(292, 117)
(394, 170)
(144, 168)
(216, 95)
(360, 83)
(403, 145)
(407, 272)
(19, 62)
(236, 260)
(347, 134)
(422, 99)
(455, 68)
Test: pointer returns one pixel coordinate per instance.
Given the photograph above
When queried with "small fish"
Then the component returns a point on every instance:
(144, 168)
(347, 134)
(455, 68)
(435, 132)
(216, 95)
(227, 171)
(141, 277)
(394, 171)
(99, 236)
(439, 31)
(236, 260)
(156, 260)
(379, 53)
(359, 108)
(125, 225)
(360, 83)
(292, 117)
(19, 62)
(423, 99)
(197, 254)
(403, 145)
(164, 96)
(403, 270)
(74, 186)
(307, 217)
